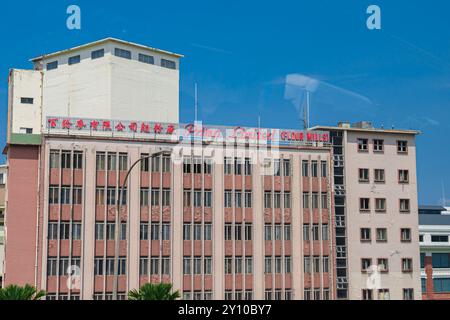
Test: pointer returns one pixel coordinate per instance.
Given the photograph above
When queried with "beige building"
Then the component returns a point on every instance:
(378, 185)
(3, 178)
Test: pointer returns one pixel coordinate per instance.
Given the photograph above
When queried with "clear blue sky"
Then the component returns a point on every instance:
(240, 52)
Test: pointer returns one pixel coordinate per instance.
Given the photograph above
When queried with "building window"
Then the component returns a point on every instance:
(99, 231)
(197, 165)
(314, 168)
(405, 235)
(52, 65)
(305, 168)
(363, 145)
(97, 54)
(277, 200)
(238, 199)
(187, 165)
(207, 231)
(305, 200)
(237, 166)
(380, 205)
(379, 175)
(367, 294)
(307, 264)
(326, 264)
(403, 176)
(227, 167)
(315, 232)
(306, 232)
(404, 205)
(365, 264)
(54, 159)
(26, 100)
(76, 231)
(268, 232)
(408, 294)
(111, 161)
(208, 265)
(156, 164)
(123, 162)
(315, 200)
(100, 161)
(424, 285)
(381, 234)
(237, 232)
(166, 197)
(53, 195)
(248, 232)
(248, 199)
(268, 265)
(406, 264)
(325, 232)
(98, 266)
(111, 196)
(441, 285)
(228, 232)
(146, 58)
(154, 265)
(276, 167)
(402, 146)
(197, 198)
(248, 265)
(228, 199)
(287, 232)
(277, 232)
(383, 264)
(74, 60)
(363, 175)
(208, 199)
(365, 235)
(66, 159)
(207, 166)
(52, 231)
(316, 264)
(286, 167)
(440, 260)
(307, 294)
(364, 204)
(65, 195)
(238, 265)
(228, 265)
(122, 53)
(323, 169)
(378, 145)
(168, 64)
(52, 266)
(267, 200)
(324, 200)
(287, 200)
(439, 238)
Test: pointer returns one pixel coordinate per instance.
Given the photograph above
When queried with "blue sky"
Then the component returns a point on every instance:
(240, 52)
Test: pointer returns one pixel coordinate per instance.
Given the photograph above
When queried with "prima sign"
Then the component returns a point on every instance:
(183, 132)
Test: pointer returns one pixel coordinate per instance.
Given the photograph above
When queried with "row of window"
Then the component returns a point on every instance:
(378, 145)
(440, 238)
(198, 198)
(381, 234)
(384, 294)
(197, 265)
(313, 264)
(383, 265)
(379, 175)
(118, 52)
(198, 295)
(196, 230)
(438, 260)
(154, 265)
(108, 161)
(380, 205)
(66, 159)
(317, 200)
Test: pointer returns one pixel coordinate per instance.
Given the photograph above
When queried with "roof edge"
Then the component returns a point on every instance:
(90, 44)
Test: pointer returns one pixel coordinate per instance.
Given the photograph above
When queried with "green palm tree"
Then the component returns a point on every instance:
(15, 292)
(150, 291)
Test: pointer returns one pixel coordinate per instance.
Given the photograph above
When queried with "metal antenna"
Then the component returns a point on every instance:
(195, 101)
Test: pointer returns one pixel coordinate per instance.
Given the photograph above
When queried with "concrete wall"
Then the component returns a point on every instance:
(24, 83)
(394, 250)
(21, 215)
(111, 87)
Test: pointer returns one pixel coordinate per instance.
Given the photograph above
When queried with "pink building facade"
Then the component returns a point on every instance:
(217, 223)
